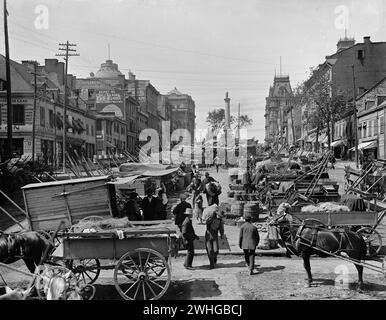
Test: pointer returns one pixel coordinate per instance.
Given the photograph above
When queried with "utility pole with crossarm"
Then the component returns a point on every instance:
(67, 48)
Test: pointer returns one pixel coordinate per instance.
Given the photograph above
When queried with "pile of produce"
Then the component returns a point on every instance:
(326, 207)
(103, 225)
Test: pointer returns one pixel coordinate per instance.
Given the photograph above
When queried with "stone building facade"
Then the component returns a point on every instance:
(277, 110)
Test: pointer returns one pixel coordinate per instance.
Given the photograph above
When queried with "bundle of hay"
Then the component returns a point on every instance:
(104, 225)
(326, 207)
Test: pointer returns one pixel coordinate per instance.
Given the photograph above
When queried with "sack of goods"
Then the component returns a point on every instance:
(326, 207)
(213, 188)
(209, 212)
(264, 243)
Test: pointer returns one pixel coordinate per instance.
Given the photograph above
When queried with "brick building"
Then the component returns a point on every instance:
(48, 115)
(183, 112)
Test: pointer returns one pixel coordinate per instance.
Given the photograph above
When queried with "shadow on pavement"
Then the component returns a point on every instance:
(268, 269)
(178, 290)
(188, 289)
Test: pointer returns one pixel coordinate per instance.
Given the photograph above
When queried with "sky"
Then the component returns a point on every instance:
(204, 48)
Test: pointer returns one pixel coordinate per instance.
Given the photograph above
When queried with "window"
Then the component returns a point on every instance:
(375, 127)
(360, 54)
(92, 130)
(369, 104)
(364, 132)
(42, 117)
(360, 132)
(380, 99)
(87, 129)
(51, 118)
(18, 114)
(99, 125)
(381, 125)
(370, 129)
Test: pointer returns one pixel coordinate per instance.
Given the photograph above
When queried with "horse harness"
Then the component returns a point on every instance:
(314, 236)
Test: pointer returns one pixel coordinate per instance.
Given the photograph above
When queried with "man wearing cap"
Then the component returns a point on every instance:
(179, 210)
(214, 225)
(248, 241)
(189, 236)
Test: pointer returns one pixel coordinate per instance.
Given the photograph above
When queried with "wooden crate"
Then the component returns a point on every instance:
(47, 204)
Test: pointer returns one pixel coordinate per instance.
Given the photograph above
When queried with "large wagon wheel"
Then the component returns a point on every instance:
(142, 274)
(86, 270)
(373, 241)
(46, 274)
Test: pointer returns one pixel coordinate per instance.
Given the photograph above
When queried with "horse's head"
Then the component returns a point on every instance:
(280, 219)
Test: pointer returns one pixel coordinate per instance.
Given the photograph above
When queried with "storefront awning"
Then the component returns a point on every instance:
(337, 143)
(365, 145)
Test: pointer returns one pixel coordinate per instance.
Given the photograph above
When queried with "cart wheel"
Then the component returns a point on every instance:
(373, 240)
(45, 274)
(142, 274)
(86, 270)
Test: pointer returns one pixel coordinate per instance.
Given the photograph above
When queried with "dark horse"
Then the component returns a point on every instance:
(27, 245)
(306, 236)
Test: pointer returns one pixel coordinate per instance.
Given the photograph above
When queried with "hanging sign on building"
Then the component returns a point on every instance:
(108, 96)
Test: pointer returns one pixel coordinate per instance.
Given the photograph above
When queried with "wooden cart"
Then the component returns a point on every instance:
(140, 258)
(49, 203)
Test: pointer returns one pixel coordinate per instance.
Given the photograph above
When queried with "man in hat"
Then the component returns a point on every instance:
(189, 236)
(214, 226)
(179, 210)
(248, 241)
(131, 209)
(149, 205)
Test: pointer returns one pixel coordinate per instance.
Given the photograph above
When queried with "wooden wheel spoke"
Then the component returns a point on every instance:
(158, 285)
(136, 291)
(140, 260)
(132, 287)
(143, 290)
(151, 289)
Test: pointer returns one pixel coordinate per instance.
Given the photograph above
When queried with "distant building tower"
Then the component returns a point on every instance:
(183, 111)
(278, 102)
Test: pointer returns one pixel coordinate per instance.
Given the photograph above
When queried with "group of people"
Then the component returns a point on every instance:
(213, 217)
(151, 207)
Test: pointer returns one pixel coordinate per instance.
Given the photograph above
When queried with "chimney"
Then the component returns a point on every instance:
(131, 75)
(366, 41)
(345, 43)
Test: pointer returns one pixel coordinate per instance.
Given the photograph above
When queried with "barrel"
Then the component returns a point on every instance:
(231, 194)
(252, 209)
(237, 208)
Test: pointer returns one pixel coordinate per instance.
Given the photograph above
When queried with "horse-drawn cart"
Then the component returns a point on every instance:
(362, 222)
(140, 250)
(140, 257)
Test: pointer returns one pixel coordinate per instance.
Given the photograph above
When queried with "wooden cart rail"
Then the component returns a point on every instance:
(352, 218)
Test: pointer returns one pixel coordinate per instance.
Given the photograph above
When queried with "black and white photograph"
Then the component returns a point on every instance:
(201, 153)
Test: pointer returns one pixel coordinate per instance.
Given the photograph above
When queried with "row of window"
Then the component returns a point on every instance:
(370, 128)
(111, 127)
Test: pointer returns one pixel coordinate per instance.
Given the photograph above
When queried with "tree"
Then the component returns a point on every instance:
(324, 102)
(216, 119)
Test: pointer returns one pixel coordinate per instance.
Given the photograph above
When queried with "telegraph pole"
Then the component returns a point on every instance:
(8, 85)
(67, 48)
(355, 119)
